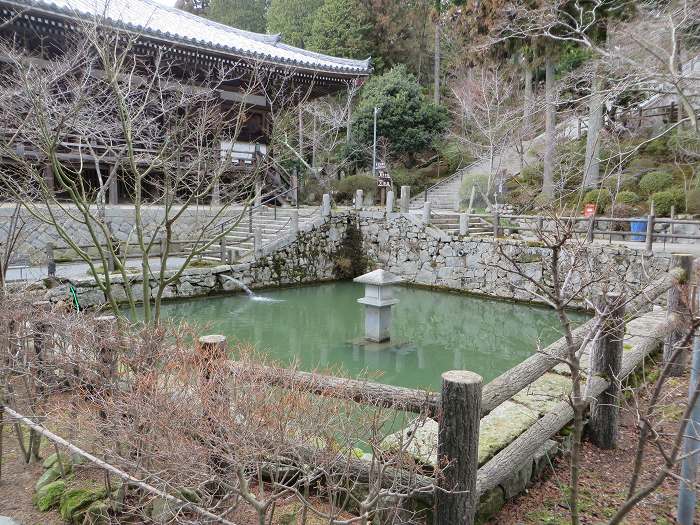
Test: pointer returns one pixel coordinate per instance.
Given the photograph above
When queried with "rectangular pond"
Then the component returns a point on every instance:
(318, 327)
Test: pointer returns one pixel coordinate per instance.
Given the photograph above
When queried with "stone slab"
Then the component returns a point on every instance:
(543, 394)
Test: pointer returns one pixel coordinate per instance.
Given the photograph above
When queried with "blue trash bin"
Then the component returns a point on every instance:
(639, 226)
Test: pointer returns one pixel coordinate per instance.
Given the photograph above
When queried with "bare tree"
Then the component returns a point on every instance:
(170, 143)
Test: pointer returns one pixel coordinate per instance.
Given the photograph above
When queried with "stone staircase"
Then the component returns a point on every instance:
(272, 224)
(442, 196)
(449, 223)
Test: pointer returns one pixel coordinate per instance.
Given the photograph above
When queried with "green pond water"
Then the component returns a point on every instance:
(318, 328)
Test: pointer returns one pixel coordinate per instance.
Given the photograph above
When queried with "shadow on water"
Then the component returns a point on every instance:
(315, 326)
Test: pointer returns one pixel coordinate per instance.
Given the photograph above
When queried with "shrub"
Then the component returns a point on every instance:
(478, 180)
(345, 188)
(655, 182)
(642, 164)
(657, 147)
(418, 180)
(628, 181)
(627, 197)
(455, 156)
(601, 198)
(532, 174)
(693, 201)
(311, 191)
(663, 200)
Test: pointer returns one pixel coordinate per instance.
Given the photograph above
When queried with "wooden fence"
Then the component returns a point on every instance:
(463, 401)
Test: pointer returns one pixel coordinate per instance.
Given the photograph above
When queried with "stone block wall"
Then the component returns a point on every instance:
(428, 256)
(307, 258)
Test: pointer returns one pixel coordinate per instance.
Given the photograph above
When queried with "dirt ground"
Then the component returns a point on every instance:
(606, 474)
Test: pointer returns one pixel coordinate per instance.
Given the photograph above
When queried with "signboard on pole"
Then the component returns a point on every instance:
(589, 210)
(383, 177)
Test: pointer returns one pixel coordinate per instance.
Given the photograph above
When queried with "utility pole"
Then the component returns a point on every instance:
(374, 144)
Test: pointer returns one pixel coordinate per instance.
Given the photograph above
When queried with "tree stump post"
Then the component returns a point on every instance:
(41, 339)
(607, 362)
(458, 447)
(678, 314)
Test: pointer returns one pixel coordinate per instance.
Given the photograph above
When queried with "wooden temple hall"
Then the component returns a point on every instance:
(186, 41)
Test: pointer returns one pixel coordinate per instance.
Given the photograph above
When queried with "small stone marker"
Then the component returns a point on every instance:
(378, 300)
(359, 197)
(326, 205)
(389, 201)
(405, 198)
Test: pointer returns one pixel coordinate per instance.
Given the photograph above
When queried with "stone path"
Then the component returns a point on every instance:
(74, 270)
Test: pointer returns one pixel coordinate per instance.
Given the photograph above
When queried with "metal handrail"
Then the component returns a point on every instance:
(251, 209)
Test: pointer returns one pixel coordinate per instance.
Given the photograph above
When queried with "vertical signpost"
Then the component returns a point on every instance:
(383, 181)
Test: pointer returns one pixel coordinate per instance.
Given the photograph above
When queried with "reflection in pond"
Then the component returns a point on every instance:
(431, 332)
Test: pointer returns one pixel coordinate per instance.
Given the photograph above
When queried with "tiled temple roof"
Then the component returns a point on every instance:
(161, 22)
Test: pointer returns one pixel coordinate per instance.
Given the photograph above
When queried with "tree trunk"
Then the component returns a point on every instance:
(591, 169)
(527, 96)
(550, 127)
(436, 64)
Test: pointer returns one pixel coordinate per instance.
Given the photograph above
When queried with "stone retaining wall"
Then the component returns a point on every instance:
(309, 257)
(402, 245)
(428, 256)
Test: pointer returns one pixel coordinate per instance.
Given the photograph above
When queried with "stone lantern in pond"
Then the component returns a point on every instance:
(378, 300)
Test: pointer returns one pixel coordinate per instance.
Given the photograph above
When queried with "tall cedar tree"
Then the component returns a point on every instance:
(242, 14)
(293, 19)
(341, 28)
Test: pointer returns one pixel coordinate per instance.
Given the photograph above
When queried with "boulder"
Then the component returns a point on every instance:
(162, 510)
(501, 426)
(52, 474)
(97, 514)
(51, 460)
(49, 496)
(74, 503)
(418, 439)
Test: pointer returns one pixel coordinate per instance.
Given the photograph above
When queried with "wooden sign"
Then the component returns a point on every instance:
(383, 180)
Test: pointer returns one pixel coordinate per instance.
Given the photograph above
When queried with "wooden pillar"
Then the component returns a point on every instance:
(223, 251)
(607, 361)
(49, 179)
(496, 224)
(458, 447)
(678, 314)
(114, 190)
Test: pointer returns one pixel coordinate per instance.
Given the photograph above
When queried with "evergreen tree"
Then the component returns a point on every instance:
(406, 118)
(293, 19)
(341, 28)
(242, 14)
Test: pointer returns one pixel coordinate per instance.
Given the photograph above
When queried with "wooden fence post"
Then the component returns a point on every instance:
(678, 313)
(650, 229)
(607, 362)
(496, 224)
(458, 447)
(105, 327)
